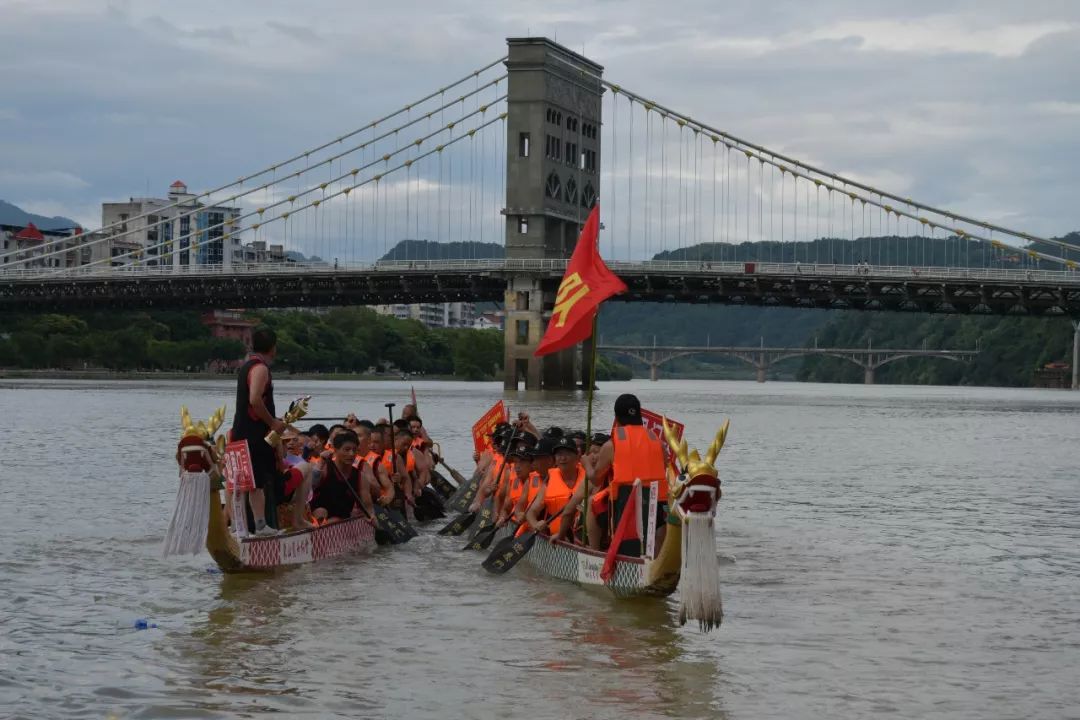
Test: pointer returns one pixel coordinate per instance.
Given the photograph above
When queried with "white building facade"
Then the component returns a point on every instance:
(435, 315)
(176, 231)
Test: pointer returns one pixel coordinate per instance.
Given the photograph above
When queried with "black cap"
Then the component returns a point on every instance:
(526, 437)
(628, 409)
(542, 448)
(564, 444)
(521, 449)
(600, 438)
(577, 435)
(554, 432)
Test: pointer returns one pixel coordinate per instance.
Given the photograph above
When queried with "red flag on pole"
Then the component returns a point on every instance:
(587, 283)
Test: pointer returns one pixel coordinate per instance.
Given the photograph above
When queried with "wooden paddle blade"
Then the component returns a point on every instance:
(390, 521)
(459, 524)
(508, 553)
(442, 486)
(429, 506)
(482, 538)
(485, 541)
(486, 519)
(465, 494)
(458, 478)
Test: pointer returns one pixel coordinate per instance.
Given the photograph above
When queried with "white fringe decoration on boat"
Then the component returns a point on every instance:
(699, 583)
(187, 532)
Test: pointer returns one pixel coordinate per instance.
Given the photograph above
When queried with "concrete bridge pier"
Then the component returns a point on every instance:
(868, 374)
(654, 372)
(761, 370)
(553, 94)
(1076, 355)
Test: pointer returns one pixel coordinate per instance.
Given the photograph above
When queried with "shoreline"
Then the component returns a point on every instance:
(102, 374)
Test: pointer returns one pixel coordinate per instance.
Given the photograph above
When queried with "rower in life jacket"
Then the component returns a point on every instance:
(633, 453)
(521, 468)
(545, 513)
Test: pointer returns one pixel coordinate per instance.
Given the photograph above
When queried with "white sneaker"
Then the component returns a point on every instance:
(267, 531)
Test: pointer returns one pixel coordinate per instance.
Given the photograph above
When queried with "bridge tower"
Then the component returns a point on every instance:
(552, 180)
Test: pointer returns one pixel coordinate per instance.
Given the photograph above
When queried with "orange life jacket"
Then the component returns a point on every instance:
(517, 486)
(410, 462)
(558, 493)
(638, 454)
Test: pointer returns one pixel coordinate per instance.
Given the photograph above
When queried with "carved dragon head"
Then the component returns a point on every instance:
(200, 435)
(697, 487)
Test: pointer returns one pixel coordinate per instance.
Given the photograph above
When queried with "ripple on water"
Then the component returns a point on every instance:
(906, 551)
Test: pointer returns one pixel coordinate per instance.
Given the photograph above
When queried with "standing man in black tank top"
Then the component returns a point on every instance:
(255, 418)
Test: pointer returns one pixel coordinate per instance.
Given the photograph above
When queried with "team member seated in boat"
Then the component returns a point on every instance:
(294, 483)
(520, 468)
(295, 443)
(318, 435)
(400, 466)
(494, 468)
(549, 509)
(578, 436)
(633, 452)
(372, 472)
(542, 461)
(255, 418)
(415, 464)
(336, 496)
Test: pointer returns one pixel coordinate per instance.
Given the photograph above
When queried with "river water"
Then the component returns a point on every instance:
(913, 551)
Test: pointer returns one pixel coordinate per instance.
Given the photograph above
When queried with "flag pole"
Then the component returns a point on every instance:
(588, 425)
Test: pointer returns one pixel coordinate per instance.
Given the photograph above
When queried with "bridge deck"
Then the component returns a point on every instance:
(935, 290)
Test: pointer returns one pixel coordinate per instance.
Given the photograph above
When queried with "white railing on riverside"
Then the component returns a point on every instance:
(696, 268)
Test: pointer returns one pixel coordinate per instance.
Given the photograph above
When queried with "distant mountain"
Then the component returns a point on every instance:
(428, 250)
(15, 215)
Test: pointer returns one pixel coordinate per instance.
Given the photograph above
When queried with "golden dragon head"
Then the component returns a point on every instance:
(193, 433)
(693, 469)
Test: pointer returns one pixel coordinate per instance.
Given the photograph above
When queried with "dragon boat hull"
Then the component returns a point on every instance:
(266, 554)
(563, 561)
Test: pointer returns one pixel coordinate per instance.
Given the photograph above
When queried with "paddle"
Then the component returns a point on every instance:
(459, 524)
(461, 499)
(487, 521)
(458, 477)
(482, 538)
(508, 553)
(428, 506)
(441, 485)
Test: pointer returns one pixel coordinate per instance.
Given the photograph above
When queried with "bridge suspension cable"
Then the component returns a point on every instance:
(787, 164)
(314, 204)
(192, 204)
(322, 187)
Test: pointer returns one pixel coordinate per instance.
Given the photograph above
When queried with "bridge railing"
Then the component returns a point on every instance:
(697, 268)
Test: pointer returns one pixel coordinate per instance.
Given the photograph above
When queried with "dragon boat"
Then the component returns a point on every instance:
(199, 518)
(687, 558)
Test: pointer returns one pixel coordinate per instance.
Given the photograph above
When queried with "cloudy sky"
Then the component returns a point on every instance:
(970, 105)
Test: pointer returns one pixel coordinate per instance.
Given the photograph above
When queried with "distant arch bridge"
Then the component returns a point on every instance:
(761, 357)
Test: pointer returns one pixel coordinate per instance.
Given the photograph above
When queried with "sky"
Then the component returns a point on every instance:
(973, 106)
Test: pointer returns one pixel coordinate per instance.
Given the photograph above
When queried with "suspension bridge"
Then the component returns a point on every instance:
(761, 358)
(477, 190)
